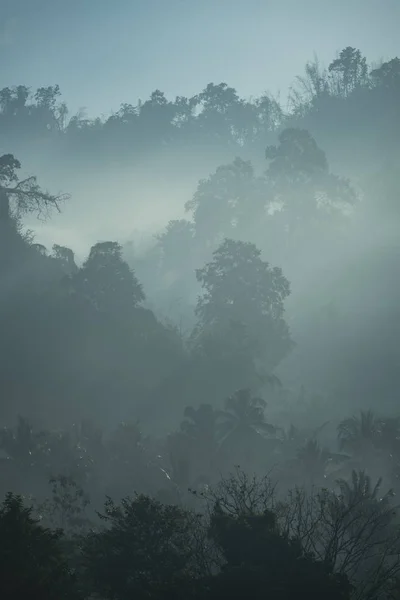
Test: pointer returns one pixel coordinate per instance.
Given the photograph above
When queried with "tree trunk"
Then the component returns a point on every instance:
(4, 206)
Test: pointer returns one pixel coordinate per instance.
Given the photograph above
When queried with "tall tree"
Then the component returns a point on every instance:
(387, 75)
(21, 196)
(244, 412)
(107, 281)
(349, 71)
(155, 118)
(309, 90)
(243, 291)
(65, 257)
(219, 104)
(229, 203)
(176, 243)
(310, 198)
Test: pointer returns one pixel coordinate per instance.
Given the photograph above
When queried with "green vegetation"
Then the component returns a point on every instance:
(122, 431)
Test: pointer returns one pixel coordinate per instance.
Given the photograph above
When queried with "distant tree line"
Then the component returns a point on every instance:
(350, 93)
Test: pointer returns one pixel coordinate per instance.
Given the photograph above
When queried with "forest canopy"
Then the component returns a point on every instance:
(219, 404)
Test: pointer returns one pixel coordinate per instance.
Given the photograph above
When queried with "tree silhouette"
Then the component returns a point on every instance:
(32, 561)
(259, 556)
(231, 201)
(18, 197)
(245, 412)
(359, 434)
(317, 463)
(244, 295)
(107, 280)
(300, 174)
(148, 550)
(348, 71)
(202, 423)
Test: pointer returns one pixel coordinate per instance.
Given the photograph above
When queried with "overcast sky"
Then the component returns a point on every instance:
(102, 53)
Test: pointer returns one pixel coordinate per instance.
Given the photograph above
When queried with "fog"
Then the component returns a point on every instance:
(199, 279)
(124, 204)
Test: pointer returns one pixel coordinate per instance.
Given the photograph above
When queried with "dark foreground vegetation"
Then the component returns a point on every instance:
(154, 461)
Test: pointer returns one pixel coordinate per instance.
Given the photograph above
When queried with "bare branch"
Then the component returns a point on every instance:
(24, 196)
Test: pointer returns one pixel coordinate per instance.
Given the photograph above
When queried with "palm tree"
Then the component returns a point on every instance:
(374, 443)
(202, 423)
(359, 435)
(294, 438)
(360, 496)
(367, 521)
(245, 414)
(317, 463)
(244, 426)
(359, 489)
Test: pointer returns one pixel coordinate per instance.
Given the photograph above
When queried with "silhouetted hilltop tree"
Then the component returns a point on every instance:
(348, 71)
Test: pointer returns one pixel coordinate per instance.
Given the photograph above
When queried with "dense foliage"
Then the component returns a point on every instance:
(123, 406)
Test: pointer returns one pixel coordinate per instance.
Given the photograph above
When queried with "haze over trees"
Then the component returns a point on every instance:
(213, 413)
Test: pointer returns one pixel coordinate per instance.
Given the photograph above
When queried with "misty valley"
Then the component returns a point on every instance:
(199, 342)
